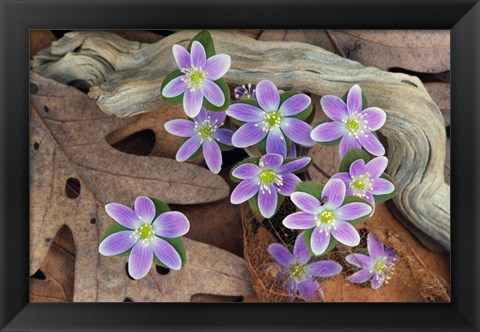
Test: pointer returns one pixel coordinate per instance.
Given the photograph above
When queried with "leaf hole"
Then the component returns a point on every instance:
(36, 146)
(33, 88)
(72, 188)
(162, 270)
(93, 221)
(127, 299)
(140, 143)
(39, 275)
(46, 109)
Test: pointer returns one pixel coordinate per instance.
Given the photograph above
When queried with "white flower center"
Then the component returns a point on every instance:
(325, 221)
(356, 124)
(144, 233)
(273, 119)
(360, 185)
(206, 129)
(194, 77)
(267, 177)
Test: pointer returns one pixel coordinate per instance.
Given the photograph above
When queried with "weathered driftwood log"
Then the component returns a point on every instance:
(125, 77)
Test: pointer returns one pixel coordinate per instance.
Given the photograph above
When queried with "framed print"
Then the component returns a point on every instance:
(308, 159)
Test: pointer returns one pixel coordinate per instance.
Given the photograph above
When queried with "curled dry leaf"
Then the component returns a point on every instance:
(74, 172)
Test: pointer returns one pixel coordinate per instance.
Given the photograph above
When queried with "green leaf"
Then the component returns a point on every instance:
(174, 100)
(312, 188)
(160, 207)
(226, 93)
(205, 38)
(351, 156)
(308, 235)
(251, 160)
(302, 115)
(386, 197)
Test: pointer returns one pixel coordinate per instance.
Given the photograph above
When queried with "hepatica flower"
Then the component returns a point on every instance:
(245, 92)
(352, 125)
(198, 77)
(364, 181)
(297, 274)
(376, 267)
(145, 235)
(271, 118)
(327, 217)
(267, 179)
(204, 132)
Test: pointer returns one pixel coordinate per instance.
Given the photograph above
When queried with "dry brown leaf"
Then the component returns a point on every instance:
(424, 51)
(74, 172)
(440, 93)
(40, 39)
(314, 37)
(53, 282)
(141, 36)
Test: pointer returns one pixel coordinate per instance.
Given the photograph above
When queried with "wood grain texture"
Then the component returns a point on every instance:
(125, 77)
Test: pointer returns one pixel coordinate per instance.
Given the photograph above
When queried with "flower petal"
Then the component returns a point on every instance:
(217, 66)
(213, 156)
(319, 241)
(267, 201)
(175, 87)
(216, 118)
(359, 260)
(212, 92)
(382, 187)
(122, 214)
(188, 148)
(245, 171)
(377, 280)
(171, 224)
(346, 143)
(268, 96)
(140, 260)
(328, 131)
(276, 142)
(371, 144)
(334, 107)
(375, 118)
(297, 130)
(181, 55)
(299, 220)
(271, 160)
(377, 166)
(345, 177)
(201, 116)
(308, 288)
(301, 253)
(359, 277)
(346, 233)
(294, 165)
(224, 136)
(324, 269)
(166, 253)
(180, 127)
(352, 211)
(245, 112)
(145, 209)
(244, 191)
(305, 202)
(292, 153)
(289, 182)
(192, 102)
(294, 105)
(334, 192)
(198, 57)
(354, 99)
(357, 168)
(374, 246)
(117, 243)
(280, 254)
(247, 135)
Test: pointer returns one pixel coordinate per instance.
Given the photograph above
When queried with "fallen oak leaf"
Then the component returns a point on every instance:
(74, 172)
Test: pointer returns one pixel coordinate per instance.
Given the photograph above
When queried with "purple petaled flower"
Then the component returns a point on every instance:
(269, 178)
(350, 123)
(272, 120)
(377, 266)
(204, 132)
(364, 181)
(297, 274)
(144, 236)
(198, 79)
(245, 92)
(327, 217)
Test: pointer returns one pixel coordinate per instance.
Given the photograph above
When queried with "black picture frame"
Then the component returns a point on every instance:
(18, 16)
